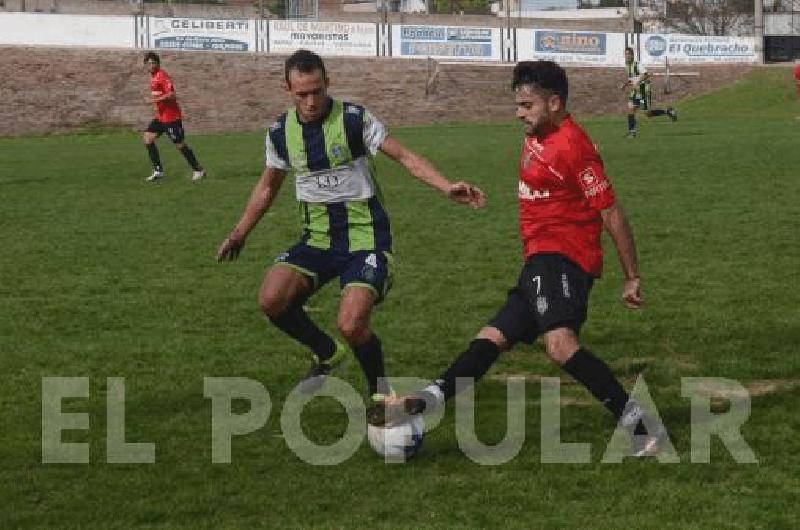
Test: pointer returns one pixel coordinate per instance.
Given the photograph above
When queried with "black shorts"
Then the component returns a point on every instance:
(174, 130)
(552, 292)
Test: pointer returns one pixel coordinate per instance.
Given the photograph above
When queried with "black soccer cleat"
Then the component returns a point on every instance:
(672, 113)
(320, 370)
(315, 378)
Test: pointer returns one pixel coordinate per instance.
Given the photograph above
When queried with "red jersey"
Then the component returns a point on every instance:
(797, 77)
(562, 188)
(168, 110)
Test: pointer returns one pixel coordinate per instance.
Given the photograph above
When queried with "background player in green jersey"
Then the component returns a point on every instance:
(328, 145)
(639, 95)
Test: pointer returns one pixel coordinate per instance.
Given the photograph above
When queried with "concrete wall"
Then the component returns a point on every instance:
(46, 90)
(250, 10)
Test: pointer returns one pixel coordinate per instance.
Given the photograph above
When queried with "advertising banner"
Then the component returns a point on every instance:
(203, 34)
(447, 42)
(697, 49)
(325, 38)
(571, 47)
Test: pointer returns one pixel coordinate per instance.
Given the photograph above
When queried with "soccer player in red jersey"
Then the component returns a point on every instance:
(565, 201)
(797, 75)
(167, 120)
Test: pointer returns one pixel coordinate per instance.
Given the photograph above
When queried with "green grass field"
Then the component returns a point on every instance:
(105, 276)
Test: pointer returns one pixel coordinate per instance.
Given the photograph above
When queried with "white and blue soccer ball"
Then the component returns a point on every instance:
(398, 442)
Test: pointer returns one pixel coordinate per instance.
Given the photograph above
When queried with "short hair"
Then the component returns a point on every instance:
(628, 49)
(152, 56)
(304, 61)
(542, 75)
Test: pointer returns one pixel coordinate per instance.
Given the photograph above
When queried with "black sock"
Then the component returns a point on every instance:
(631, 122)
(188, 154)
(295, 323)
(656, 112)
(152, 150)
(596, 376)
(474, 362)
(370, 357)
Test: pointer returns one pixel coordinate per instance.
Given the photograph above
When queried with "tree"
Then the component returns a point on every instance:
(471, 7)
(707, 17)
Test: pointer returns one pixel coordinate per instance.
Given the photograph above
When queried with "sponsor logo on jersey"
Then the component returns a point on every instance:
(337, 150)
(588, 177)
(531, 195)
(592, 184)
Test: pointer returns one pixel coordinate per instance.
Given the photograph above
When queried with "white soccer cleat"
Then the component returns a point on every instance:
(198, 175)
(155, 176)
(643, 445)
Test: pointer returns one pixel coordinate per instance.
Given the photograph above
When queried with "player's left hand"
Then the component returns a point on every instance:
(230, 249)
(632, 293)
(464, 193)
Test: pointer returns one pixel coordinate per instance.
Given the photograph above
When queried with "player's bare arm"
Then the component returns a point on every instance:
(261, 198)
(618, 227)
(422, 169)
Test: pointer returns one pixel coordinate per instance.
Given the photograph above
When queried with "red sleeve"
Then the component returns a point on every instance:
(592, 179)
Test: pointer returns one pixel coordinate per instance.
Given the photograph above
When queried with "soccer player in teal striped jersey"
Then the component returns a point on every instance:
(328, 146)
(639, 93)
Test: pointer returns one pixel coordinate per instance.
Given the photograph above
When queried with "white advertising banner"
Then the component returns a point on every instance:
(447, 42)
(325, 38)
(203, 34)
(38, 29)
(571, 47)
(697, 49)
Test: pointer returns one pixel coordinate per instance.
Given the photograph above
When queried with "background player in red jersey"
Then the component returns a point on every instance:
(565, 200)
(167, 120)
(797, 80)
(797, 75)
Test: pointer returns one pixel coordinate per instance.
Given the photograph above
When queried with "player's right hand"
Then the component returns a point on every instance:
(464, 193)
(230, 248)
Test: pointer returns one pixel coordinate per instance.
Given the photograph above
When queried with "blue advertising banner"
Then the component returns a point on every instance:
(571, 47)
(569, 42)
(446, 42)
(697, 49)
